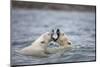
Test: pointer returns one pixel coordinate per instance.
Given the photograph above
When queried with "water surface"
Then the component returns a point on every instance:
(28, 24)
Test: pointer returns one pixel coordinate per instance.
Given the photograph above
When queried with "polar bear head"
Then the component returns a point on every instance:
(44, 39)
(62, 39)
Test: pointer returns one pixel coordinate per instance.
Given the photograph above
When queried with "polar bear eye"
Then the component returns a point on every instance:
(48, 33)
(63, 34)
(69, 43)
(42, 41)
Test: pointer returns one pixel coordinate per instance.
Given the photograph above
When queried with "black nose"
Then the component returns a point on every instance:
(69, 43)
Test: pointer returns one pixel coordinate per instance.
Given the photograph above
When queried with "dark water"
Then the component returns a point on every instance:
(29, 24)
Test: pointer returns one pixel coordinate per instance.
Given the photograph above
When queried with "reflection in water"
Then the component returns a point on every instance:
(28, 25)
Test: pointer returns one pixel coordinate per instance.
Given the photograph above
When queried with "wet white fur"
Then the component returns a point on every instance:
(38, 47)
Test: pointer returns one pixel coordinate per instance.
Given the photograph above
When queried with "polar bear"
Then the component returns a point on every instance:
(38, 47)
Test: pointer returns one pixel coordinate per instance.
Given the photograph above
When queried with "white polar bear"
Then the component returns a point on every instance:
(38, 47)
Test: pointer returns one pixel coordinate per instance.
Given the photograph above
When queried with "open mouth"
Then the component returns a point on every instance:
(55, 35)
